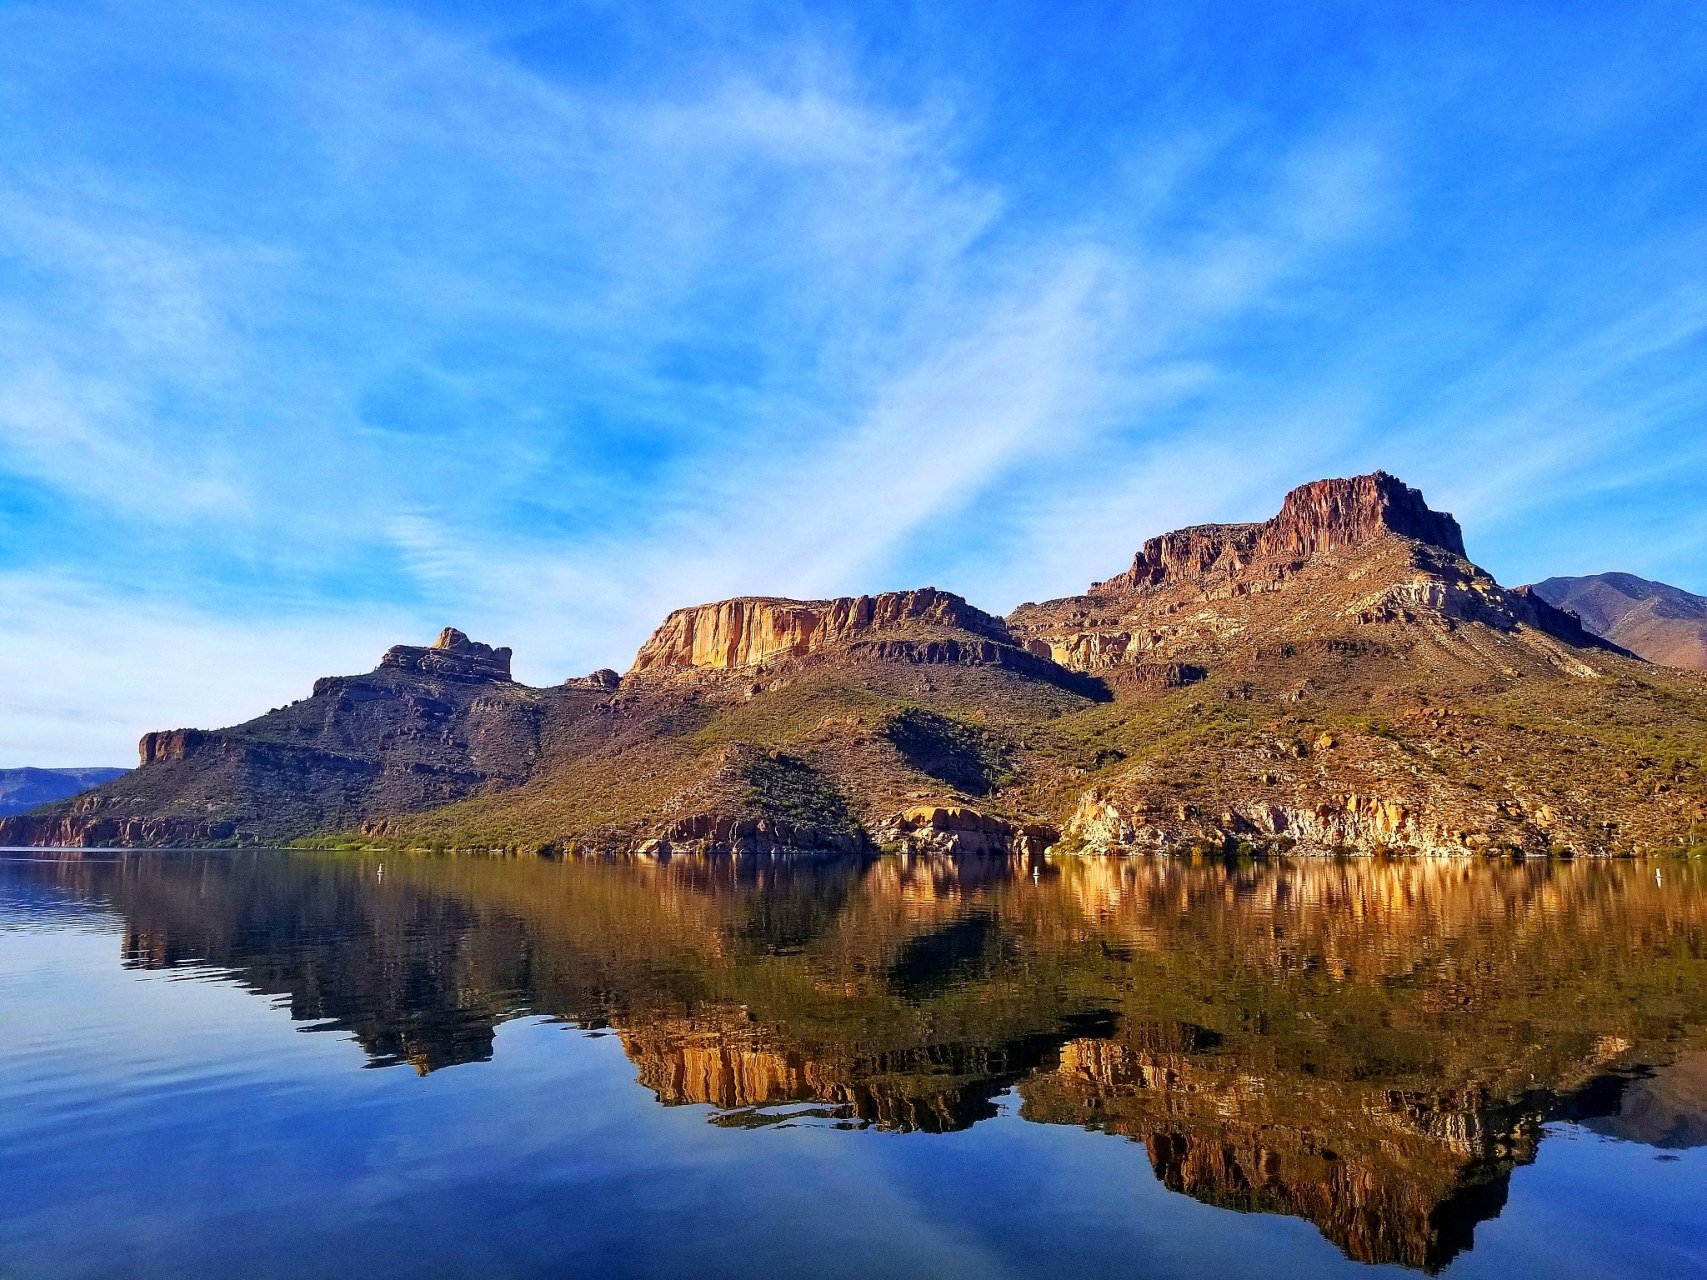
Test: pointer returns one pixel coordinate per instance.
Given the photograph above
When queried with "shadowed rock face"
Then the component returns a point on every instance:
(746, 632)
(427, 727)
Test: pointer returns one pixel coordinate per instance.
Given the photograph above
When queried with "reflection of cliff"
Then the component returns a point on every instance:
(1370, 1046)
(932, 1089)
(1388, 1176)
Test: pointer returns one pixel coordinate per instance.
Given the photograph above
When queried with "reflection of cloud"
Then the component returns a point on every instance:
(355, 307)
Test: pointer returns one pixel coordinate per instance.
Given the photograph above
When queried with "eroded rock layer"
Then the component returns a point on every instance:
(1340, 553)
(1316, 517)
(452, 656)
(749, 631)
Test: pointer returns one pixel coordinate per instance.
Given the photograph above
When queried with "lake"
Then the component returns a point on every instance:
(277, 1064)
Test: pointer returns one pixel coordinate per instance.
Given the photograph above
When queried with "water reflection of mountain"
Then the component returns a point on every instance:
(1370, 1046)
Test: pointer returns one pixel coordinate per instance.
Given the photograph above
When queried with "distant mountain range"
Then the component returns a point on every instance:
(22, 789)
(1340, 677)
(1657, 622)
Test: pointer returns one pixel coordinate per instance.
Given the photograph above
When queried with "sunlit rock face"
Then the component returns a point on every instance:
(749, 631)
(1317, 517)
(1361, 551)
(1336, 680)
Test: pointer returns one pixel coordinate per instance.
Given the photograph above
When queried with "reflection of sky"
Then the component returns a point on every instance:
(155, 1124)
(326, 324)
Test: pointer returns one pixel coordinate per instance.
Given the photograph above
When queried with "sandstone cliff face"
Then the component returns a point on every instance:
(171, 744)
(1337, 678)
(951, 829)
(746, 632)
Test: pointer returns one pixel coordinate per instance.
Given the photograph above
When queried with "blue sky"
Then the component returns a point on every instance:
(325, 325)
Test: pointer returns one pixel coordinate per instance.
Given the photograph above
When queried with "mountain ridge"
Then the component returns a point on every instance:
(24, 788)
(1339, 677)
(1659, 622)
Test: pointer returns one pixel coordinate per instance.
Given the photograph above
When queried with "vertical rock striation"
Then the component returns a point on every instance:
(1321, 516)
(748, 631)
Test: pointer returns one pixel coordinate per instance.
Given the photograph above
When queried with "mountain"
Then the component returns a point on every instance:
(22, 789)
(1660, 623)
(1339, 677)
(427, 726)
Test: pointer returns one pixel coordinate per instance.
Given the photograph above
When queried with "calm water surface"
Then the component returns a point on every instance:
(288, 1065)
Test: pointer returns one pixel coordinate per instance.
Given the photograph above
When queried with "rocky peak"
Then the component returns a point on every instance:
(747, 631)
(603, 678)
(453, 656)
(1317, 517)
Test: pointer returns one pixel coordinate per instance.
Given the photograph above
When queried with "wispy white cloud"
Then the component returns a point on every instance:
(339, 309)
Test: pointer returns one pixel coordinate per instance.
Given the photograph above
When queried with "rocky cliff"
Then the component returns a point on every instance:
(1324, 515)
(750, 631)
(1364, 550)
(1337, 678)
(453, 656)
(428, 726)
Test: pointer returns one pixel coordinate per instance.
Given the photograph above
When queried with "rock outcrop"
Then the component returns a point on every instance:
(603, 678)
(171, 744)
(959, 829)
(1321, 516)
(1367, 550)
(1337, 678)
(427, 727)
(710, 833)
(453, 656)
(750, 631)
